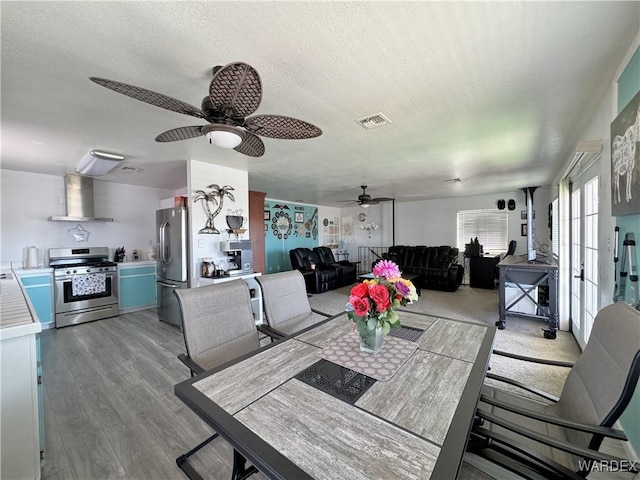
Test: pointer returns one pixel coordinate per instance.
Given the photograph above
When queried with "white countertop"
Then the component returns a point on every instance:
(138, 263)
(15, 316)
(210, 280)
(20, 271)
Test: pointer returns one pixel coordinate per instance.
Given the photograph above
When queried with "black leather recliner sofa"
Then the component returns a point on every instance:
(437, 267)
(327, 275)
(317, 280)
(345, 270)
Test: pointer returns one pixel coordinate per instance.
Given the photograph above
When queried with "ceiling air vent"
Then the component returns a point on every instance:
(130, 169)
(453, 180)
(372, 121)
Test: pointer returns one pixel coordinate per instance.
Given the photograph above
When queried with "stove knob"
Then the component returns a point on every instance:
(88, 270)
(68, 272)
(75, 271)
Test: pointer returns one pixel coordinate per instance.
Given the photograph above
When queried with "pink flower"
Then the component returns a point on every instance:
(385, 268)
(360, 305)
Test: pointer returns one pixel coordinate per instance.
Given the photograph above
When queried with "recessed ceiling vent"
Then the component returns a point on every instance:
(453, 180)
(372, 121)
(126, 169)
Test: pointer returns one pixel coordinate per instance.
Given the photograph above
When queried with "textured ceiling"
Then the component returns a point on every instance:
(494, 93)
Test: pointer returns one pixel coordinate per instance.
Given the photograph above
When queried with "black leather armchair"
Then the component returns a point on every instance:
(345, 270)
(317, 280)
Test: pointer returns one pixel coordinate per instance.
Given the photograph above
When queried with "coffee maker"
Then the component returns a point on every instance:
(240, 257)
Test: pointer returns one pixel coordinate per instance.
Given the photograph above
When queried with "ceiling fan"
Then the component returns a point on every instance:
(234, 93)
(364, 199)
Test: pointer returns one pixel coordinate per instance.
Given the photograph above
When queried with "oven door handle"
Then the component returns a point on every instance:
(166, 284)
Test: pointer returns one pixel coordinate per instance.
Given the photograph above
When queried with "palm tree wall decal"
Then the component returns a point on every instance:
(216, 197)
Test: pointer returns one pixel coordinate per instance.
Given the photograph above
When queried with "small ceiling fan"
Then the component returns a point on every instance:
(364, 199)
(234, 93)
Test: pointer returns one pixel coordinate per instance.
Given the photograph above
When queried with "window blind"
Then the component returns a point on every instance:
(489, 226)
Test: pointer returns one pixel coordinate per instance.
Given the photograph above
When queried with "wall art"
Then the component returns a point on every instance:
(625, 160)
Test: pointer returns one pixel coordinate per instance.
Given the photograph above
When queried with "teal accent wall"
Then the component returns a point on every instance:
(287, 226)
(628, 87)
(629, 82)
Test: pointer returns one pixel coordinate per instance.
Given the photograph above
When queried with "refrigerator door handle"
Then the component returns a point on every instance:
(164, 251)
(166, 284)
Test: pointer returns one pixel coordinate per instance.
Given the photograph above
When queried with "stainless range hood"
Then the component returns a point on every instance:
(79, 191)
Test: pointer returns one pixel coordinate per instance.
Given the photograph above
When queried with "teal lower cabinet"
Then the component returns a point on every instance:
(39, 289)
(137, 287)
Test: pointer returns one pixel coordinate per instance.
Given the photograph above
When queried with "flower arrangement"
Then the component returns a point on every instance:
(373, 303)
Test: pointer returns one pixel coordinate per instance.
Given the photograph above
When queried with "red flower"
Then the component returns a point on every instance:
(380, 295)
(382, 306)
(361, 290)
(360, 305)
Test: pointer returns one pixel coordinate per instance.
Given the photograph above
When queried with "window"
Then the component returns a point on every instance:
(488, 225)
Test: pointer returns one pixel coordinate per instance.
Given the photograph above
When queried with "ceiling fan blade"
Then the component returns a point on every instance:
(150, 97)
(180, 133)
(251, 145)
(382, 199)
(282, 127)
(236, 85)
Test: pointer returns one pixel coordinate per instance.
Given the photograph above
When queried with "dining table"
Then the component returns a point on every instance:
(313, 406)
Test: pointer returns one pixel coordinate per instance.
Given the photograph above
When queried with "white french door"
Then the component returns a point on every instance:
(584, 253)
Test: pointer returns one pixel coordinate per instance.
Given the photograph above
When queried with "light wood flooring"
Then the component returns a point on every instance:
(110, 410)
(109, 407)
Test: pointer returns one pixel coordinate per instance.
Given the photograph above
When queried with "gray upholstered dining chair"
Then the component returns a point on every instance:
(286, 304)
(218, 326)
(561, 437)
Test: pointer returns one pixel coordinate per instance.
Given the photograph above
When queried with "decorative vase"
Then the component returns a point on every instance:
(371, 340)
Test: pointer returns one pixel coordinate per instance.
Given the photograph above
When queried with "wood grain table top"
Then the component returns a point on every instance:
(414, 425)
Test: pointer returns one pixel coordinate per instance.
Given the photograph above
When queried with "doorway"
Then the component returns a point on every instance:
(584, 252)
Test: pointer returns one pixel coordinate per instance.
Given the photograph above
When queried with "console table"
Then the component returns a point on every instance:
(527, 276)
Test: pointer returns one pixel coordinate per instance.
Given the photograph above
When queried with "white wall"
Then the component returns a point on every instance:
(200, 176)
(328, 213)
(28, 199)
(434, 222)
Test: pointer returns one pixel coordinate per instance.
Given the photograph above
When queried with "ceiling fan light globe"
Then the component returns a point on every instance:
(224, 139)
(365, 205)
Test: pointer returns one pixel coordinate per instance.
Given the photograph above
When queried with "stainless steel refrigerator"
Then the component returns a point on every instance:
(173, 260)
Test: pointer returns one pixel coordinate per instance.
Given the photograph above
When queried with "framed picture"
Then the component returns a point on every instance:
(625, 160)
(523, 214)
(523, 229)
(299, 217)
(267, 215)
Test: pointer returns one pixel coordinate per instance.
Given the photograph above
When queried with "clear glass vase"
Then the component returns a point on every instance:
(371, 340)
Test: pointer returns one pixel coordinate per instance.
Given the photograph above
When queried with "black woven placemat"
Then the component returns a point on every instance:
(407, 333)
(341, 382)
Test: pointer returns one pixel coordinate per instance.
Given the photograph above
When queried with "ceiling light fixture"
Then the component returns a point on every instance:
(223, 136)
(364, 205)
(97, 163)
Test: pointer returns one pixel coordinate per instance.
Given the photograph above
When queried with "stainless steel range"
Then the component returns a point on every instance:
(85, 284)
